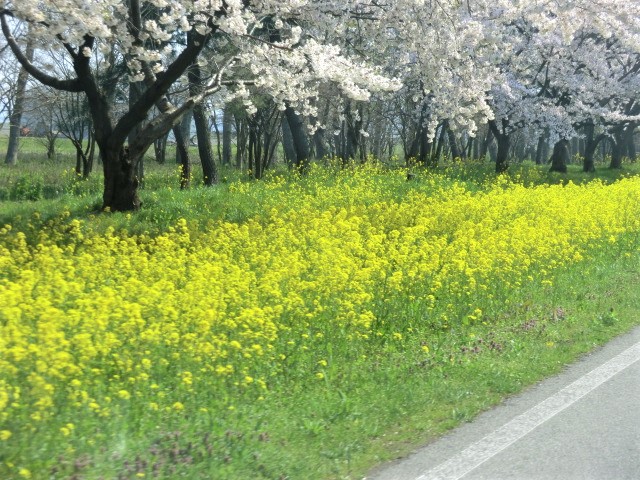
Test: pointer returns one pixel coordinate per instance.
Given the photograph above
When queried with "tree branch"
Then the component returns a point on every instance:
(65, 85)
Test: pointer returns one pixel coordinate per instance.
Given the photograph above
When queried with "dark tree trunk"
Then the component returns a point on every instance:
(453, 143)
(51, 145)
(426, 148)
(438, 153)
(504, 145)
(15, 120)
(630, 143)
(560, 156)
(300, 140)
(469, 148)
(271, 139)
(185, 132)
(251, 140)
(575, 149)
(209, 170)
(617, 150)
(255, 153)
(88, 166)
(213, 121)
(318, 144)
(502, 156)
(227, 125)
(160, 149)
(182, 152)
(79, 162)
(422, 147)
(476, 148)
(264, 135)
(363, 144)
(590, 146)
(522, 149)
(120, 180)
(287, 143)
(540, 149)
(350, 134)
(484, 148)
(412, 153)
(241, 141)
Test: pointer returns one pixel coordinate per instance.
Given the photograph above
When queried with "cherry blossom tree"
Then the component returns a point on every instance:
(535, 67)
(160, 40)
(519, 66)
(564, 66)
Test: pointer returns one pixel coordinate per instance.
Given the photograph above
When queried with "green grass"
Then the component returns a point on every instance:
(51, 187)
(386, 408)
(528, 173)
(357, 417)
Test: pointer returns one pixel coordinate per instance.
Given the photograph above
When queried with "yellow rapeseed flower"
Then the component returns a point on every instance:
(124, 394)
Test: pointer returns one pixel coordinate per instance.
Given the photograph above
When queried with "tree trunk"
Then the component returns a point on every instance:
(318, 142)
(160, 149)
(255, 153)
(502, 156)
(422, 144)
(15, 119)
(453, 144)
(120, 162)
(120, 180)
(438, 153)
(411, 154)
(79, 161)
(350, 134)
(209, 169)
(617, 150)
(88, 166)
(287, 143)
(182, 153)
(629, 135)
(242, 137)
(590, 146)
(185, 132)
(484, 148)
(504, 144)
(270, 146)
(227, 125)
(51, 145)
(476, 148)
(300, 140)
(540, 149)
(560, 156)
(469, 149)
(321, 150)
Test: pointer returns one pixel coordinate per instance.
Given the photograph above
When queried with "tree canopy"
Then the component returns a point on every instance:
(544, 68)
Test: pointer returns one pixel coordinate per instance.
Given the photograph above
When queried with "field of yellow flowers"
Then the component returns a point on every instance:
(114, 345)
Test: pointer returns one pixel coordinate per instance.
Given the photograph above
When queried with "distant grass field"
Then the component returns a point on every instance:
(297, 327)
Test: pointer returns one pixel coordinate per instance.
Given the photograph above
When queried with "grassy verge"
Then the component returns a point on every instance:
(383, 408)
(295, 328)
(542, 332)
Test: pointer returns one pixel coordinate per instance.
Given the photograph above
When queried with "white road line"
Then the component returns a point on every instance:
(476, 454)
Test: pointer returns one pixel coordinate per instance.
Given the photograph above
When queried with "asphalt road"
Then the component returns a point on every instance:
(582, 424)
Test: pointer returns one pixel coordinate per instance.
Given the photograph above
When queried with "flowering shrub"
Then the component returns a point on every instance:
(115, 329)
